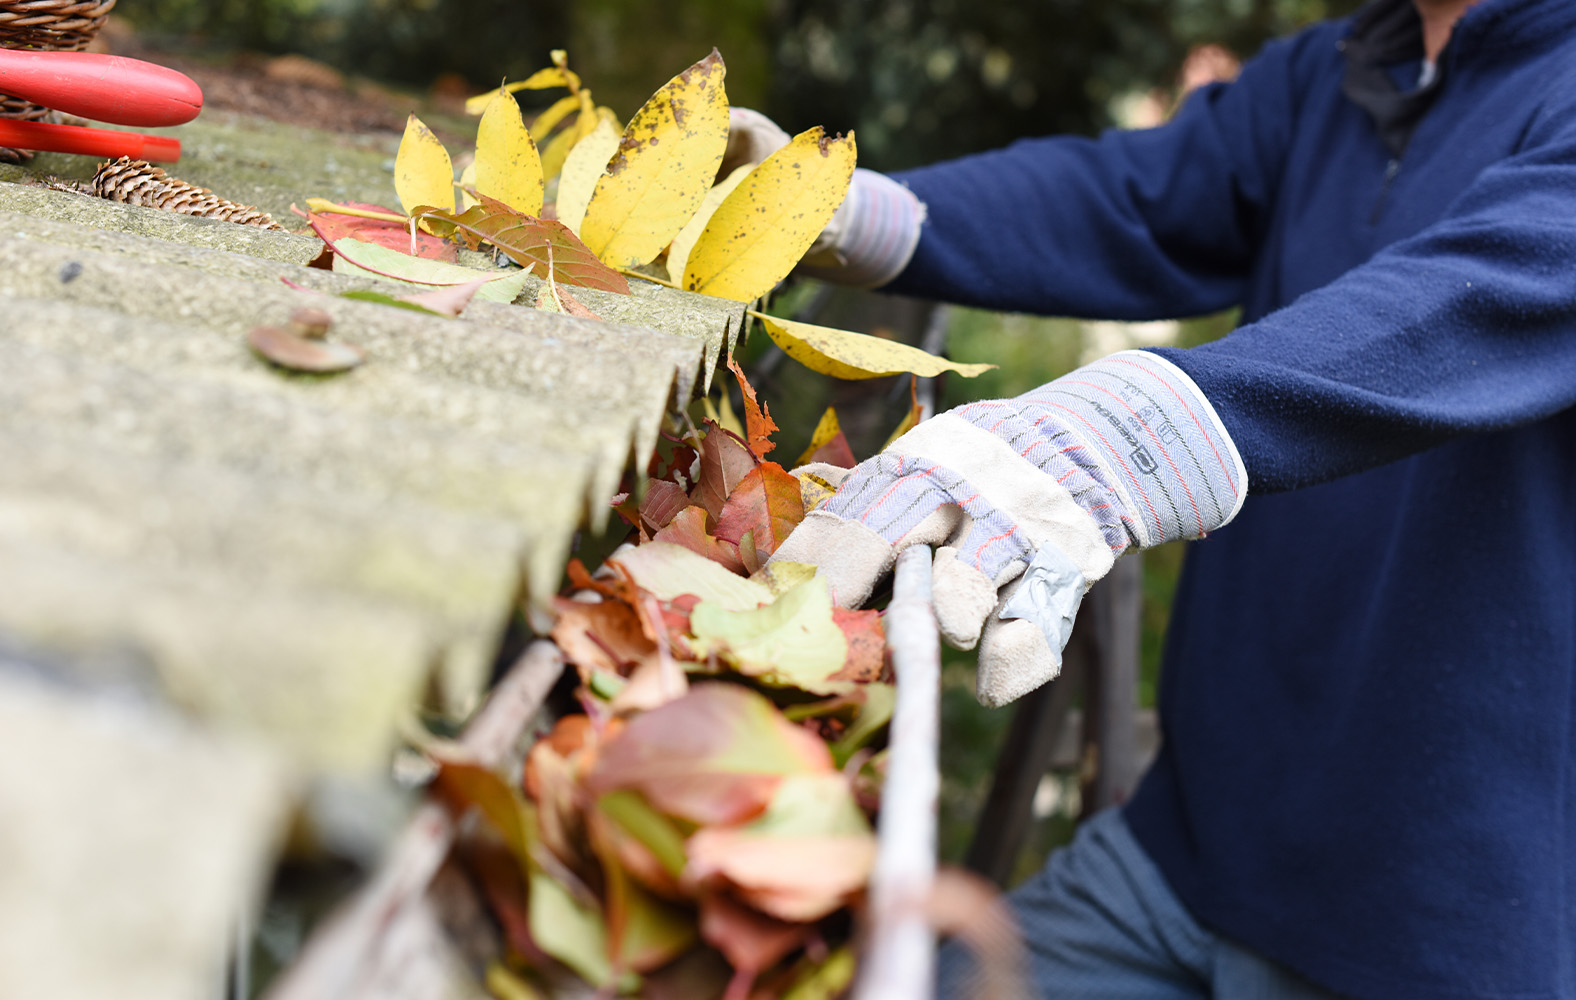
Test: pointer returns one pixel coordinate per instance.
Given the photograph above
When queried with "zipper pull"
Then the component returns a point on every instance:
(1390, 170)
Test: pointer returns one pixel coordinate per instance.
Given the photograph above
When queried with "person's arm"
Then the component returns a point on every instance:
(1469, 326)
(1153, 223)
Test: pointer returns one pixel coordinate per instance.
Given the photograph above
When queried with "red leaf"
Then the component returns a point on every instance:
(724, 462)
(716, 755)
(530, 241)
(752, 942)
(689, 530)
(866, 645)
(758, 422)
(662, 503)
(765, 505)
(835, 452)
(333, 227)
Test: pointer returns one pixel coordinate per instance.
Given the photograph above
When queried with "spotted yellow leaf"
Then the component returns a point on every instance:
(684, 243)
(759, 233)
(423, 173)
(846, 355)
(584, 166)
(665, 164)
(507, 165)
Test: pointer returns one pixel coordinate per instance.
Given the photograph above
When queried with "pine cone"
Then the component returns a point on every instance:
(138, 182)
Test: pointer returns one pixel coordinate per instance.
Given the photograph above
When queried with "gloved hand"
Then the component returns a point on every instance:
(1030, 501)
(874, 231)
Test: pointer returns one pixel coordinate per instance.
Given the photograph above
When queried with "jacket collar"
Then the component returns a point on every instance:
(1387, 32)
(1384, 34)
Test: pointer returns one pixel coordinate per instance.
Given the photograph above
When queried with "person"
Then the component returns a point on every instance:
(1367, 783)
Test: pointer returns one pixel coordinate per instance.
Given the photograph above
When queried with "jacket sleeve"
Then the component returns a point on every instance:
(1467, 327)
(1147, 224)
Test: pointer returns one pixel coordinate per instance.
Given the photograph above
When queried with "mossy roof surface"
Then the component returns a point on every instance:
(298, 558)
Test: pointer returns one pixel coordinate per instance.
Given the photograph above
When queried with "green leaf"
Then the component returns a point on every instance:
(569, 931)
(826, 981)
(381, 299)
(386, 263)
(668, 571)
(635, 817)
(792, 642)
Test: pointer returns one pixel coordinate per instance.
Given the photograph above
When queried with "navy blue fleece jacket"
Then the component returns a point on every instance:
(1369, 690)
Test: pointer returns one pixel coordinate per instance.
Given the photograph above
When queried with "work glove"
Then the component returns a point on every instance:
(1030, 501)
(874, 231)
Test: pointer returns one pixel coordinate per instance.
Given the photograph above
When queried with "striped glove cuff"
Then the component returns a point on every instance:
(1161, 447)
(871, 238)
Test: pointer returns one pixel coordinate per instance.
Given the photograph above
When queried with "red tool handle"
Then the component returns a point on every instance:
(88, 141)
(101, 87)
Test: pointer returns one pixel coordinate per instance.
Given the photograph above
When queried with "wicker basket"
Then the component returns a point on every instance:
(67, 25)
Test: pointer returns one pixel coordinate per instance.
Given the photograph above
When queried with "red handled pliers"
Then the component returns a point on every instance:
(102, 88)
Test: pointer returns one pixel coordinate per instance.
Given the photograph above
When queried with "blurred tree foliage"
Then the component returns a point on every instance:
(918, 79)
(922, 80)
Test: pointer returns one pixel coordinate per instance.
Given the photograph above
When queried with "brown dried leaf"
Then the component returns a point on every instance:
(303, 354)
(530, 241)
(724, 461)
(758, 421)
(663, 502)
(605, 636)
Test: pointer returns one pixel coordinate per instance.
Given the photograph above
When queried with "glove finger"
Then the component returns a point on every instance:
(848, 555)
(963, 597)
(1014, 657)
(752, 137)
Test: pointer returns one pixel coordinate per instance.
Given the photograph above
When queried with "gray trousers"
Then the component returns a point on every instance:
(1100, 923)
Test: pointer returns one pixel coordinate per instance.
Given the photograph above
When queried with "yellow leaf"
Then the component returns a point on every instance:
(507, 165)
(423, 173)
(557, 149)
(684, 243)
(759, 233)
(909, 422)
(555, 113)
(827, 429)
(583, 167)
(665, 164)
(467, 183)
(813, 490)
(726, 418)
(846, 355)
